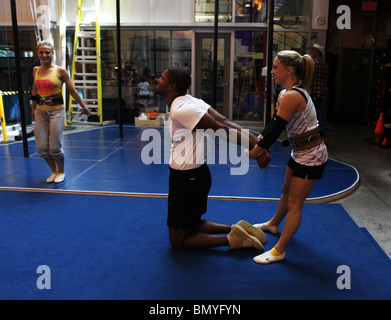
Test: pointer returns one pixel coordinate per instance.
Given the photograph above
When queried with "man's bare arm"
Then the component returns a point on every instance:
(253, 140)
(210, 122)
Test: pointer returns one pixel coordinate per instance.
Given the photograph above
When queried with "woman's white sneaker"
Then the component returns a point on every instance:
(60, 177)
(267, 227)
(268, 257)
(51, 178)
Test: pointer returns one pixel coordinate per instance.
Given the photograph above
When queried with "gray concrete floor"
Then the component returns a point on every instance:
(370, 204)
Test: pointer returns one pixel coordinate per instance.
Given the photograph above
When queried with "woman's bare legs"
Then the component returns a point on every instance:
(295, 192)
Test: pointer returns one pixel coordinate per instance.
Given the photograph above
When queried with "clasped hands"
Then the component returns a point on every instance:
(261, 155)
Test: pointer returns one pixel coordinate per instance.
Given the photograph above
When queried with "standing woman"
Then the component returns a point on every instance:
(48, 110)
(296, 113)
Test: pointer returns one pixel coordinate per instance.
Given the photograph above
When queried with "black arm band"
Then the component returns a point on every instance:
(34, 98)
(268, 127)
(277, 126)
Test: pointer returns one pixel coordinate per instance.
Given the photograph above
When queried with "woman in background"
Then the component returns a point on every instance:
(48, 110)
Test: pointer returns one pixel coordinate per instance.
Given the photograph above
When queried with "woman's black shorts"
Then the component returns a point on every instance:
(187, 197)
(301, 171)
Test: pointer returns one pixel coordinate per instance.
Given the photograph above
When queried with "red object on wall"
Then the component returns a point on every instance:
(369, 6)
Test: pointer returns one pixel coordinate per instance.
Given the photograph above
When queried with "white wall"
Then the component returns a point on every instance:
(42, 14)
(320, 14)
(133, 12)
(136, 12)
(24, 9)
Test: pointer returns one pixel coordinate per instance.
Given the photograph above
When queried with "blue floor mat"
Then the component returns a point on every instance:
(110, 247)
(99, 161)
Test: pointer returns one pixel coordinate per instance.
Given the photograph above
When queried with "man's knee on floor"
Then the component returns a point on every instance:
(177, 238)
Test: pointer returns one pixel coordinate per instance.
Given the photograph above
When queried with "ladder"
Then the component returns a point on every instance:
(86, 64)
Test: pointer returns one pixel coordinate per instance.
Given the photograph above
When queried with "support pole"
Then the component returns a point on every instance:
(215, 56)
(19, 77)
(2, 118)
(120, 106)
(269, 62)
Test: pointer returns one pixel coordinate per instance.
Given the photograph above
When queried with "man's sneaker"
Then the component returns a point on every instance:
(254, 231)
(239, 238)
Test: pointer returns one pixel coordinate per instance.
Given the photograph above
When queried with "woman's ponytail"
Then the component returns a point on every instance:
(304, 66)
(307, 72)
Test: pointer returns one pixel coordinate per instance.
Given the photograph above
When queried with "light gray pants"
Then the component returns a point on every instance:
(48, 129)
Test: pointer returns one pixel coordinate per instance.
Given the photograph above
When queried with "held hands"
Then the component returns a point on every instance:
(261, 155)
(263, 160)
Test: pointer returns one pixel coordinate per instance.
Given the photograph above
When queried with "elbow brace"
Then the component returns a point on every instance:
(273, 132)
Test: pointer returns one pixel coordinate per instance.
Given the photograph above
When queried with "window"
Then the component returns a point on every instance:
(249, 83)
(290, 41)
(205, 10)
(291, 14)
(251, 11)
(8, 79)
(145, 56)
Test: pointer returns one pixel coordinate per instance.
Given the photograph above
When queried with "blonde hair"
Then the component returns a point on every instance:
(303, 65)
(46, 44)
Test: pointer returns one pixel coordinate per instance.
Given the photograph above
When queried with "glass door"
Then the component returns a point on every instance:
(205, 70)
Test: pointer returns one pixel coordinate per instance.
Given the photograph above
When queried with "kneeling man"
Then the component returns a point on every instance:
(190, 179)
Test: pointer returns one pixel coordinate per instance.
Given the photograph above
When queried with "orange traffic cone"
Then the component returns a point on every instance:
(379, 130)
(385, 142)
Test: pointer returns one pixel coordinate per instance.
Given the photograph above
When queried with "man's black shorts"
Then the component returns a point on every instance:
(301, 171)
(187, 198)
